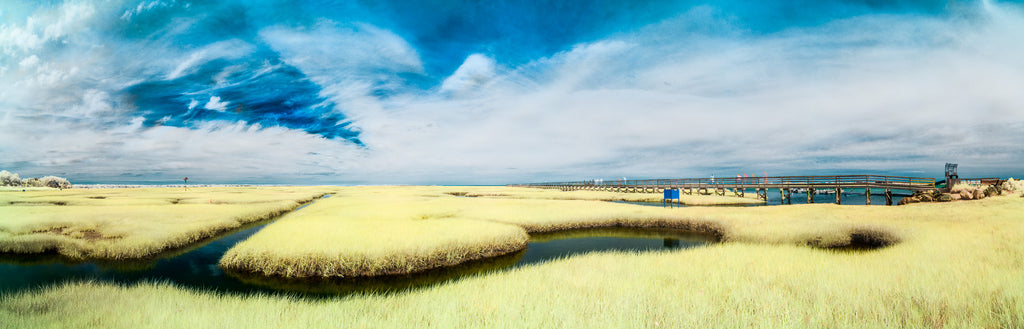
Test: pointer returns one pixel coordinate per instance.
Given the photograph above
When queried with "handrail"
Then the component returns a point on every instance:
(758, 182)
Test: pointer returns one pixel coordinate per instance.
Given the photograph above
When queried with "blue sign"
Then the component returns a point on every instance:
(672, 194)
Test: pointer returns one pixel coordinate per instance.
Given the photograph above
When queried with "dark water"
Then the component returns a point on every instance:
(194, 266)
(548, 246)
(849, 197)
(197, 268)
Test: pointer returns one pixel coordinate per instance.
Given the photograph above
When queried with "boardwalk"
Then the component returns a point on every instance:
(738, 185)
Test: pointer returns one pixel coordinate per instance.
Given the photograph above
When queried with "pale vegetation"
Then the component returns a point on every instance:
(9, 179)
(373, 231)
(12, 179)
(370, 231)
(133, 223)
(1014, 185)
(952, 265)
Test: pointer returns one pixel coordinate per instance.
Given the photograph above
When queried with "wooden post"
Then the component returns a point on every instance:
(888, 197)
(838, 195)
(782, 196)
(789, 196)
(867, 195)
(810, 195)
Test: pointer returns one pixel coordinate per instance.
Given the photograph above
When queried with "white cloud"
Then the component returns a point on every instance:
(73, 16)
(330, 48)
(46, 26)
(216, 105)
(476, 71)
(349, 62)
(29, 62)
(211, 152)
(144, 6)
(95, 103)
(869, 93)
(227, 49)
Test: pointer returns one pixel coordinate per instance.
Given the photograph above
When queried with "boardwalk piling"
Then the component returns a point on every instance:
(785, 184)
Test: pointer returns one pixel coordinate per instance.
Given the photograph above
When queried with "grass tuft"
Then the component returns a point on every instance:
(132, 223)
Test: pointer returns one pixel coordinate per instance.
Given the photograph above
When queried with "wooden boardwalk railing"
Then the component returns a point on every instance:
(785, 184)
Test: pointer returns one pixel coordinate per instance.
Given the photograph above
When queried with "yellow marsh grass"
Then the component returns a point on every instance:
(544, 211)
(133, 223)
(959, 265)
(369, 231)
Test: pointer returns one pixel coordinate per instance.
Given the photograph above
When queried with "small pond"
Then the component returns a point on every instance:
(196, 267)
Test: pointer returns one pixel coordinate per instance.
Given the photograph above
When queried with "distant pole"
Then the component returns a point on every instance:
(186, 183)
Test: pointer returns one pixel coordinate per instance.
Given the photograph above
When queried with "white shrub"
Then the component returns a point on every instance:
(55, 182)
(32, 182)
(1014, 185)
(9, 179)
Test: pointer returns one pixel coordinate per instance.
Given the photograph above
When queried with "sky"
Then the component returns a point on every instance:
(505, 91)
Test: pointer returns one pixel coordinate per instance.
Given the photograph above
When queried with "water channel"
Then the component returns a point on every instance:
(196, 266)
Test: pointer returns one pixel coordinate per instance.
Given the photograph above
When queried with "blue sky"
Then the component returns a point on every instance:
(494, 92)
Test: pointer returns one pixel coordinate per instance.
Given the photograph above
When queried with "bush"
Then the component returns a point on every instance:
(55, 182)
(12, 179)
(1014, 185)
(9, 179)
(32, 182)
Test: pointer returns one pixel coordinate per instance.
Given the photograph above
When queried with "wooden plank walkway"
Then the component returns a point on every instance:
(785, 184)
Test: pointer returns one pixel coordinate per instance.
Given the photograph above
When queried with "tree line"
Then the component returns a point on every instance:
(12, 179)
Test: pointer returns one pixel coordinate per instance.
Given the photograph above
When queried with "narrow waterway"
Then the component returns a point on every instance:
(196, 267)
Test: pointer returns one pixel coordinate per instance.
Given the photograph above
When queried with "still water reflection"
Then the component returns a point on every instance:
(197, 267)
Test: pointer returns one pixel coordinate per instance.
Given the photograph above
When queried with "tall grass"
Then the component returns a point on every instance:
(958, 265)
(133, 223)
(372, 231)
